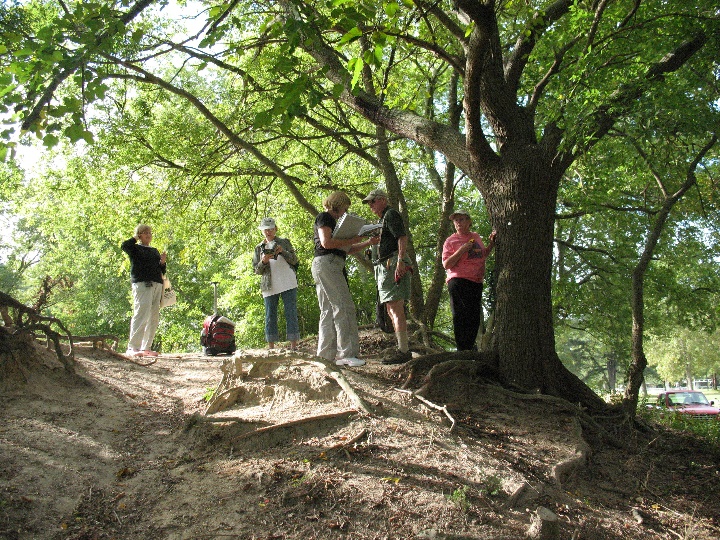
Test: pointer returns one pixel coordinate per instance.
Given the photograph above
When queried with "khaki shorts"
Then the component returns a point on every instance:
(385, 278)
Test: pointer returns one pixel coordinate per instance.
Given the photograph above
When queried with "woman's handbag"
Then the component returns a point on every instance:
(168, 295)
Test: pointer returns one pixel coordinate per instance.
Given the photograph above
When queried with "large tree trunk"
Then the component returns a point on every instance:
(522, 200)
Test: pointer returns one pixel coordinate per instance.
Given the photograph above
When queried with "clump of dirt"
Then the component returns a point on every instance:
(126, 451)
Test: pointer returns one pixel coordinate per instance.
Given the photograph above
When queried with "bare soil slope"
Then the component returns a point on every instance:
(125, 451)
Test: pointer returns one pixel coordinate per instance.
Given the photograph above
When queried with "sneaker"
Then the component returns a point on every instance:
(133, 353)
(352, 362)
(395, 356)
(150, 353)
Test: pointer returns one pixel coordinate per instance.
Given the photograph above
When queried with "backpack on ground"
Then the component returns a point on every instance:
(218, 332)
(218, 335)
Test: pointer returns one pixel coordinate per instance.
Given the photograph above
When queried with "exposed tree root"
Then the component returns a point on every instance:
(336, 375)
(432, 367)
(99, 341)
(29, 321)
(446, 379)
(198, 418)
(228, 390)
(544, 525)
(583, 417)
(144, 363)
(287, 429)
(579, 461)
(350, 442)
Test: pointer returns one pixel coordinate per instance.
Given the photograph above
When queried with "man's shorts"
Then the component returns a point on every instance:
(385, 278)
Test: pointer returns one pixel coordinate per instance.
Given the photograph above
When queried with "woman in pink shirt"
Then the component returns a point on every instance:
(464, 258)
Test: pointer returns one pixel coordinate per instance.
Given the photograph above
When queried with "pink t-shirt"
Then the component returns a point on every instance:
(471, 265)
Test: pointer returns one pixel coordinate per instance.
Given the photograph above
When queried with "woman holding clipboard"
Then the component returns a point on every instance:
(338, 337)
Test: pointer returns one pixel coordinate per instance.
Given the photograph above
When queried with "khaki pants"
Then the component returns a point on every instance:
(338, 329)
(388, 289)
(146, 315)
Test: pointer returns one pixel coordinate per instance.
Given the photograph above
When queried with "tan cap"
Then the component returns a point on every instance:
(460, 213)
(375, 194)
(267, 223)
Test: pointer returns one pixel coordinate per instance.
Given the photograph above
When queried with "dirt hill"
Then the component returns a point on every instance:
(126, 451)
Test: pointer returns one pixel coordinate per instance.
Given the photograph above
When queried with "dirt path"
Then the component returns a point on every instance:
(123, 452)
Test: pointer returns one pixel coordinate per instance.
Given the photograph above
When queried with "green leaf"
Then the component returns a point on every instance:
(352, 35)
(75, 133)
(357, 67)
(286, 123)
(216, 11)
(378, 54)
(50, 140)
(391, 8)
(262, 119)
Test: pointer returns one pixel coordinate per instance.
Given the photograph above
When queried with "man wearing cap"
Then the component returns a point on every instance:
(464, 258)
(276, 262)
(392, 271)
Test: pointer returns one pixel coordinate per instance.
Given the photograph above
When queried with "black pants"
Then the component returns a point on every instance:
(467, 311)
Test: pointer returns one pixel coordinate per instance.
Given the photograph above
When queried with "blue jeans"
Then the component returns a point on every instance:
(292, 328)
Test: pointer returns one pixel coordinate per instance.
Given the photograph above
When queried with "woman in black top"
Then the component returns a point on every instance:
(338, 331)
(147, 266)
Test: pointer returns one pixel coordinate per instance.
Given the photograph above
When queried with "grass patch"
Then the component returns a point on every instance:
(208, 395)
(459, 498)
(707, 428)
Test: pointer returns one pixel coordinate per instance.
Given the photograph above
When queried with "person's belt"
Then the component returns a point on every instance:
(343, 254)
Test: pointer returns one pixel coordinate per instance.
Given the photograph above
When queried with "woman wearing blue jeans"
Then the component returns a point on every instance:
(275, 261)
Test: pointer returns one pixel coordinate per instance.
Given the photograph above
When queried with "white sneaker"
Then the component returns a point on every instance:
(352, 362)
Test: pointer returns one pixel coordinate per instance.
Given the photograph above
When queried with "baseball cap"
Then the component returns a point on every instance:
(267, 223)
(375, 194)
(460, 213)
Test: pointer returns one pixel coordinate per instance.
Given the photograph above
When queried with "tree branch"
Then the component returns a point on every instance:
(408, 124)
(289, 180)
(525, 44)
(74, 64)
(625, 97)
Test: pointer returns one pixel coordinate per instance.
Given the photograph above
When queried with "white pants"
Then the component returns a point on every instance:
(146, 315)
(338, 331)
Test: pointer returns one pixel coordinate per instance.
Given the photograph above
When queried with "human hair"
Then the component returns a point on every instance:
(338, 200)
(142, 228)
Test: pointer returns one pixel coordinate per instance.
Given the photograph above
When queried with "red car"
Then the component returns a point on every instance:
(688, 402)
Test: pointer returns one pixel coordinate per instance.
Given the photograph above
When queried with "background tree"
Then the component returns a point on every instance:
(685, 356)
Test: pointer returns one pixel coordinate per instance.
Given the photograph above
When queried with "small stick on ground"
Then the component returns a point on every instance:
(432, 405)
(343, 445)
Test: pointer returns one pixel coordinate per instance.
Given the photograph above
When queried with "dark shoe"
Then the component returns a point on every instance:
(394, 356)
